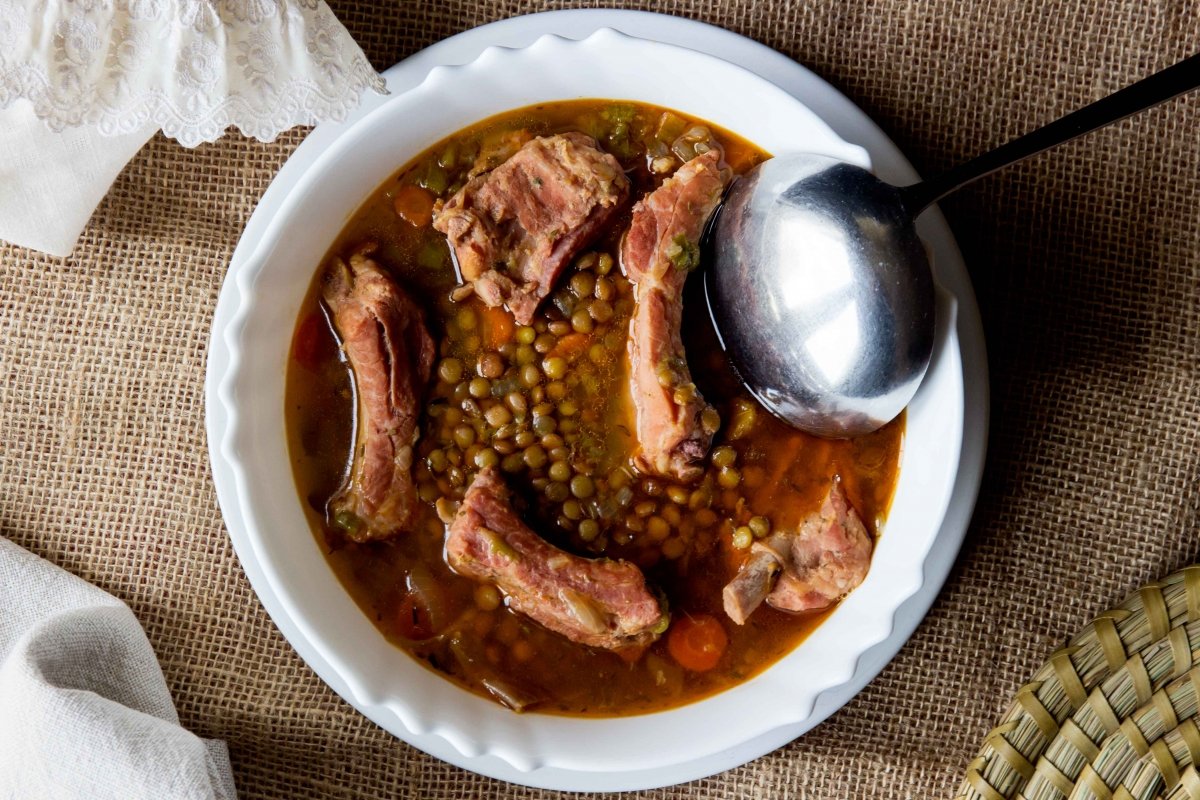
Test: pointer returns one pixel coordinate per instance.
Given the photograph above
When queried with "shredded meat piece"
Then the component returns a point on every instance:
(597, 602)
(391, 354)
(514, 229)
(674, 424)
(807, 569)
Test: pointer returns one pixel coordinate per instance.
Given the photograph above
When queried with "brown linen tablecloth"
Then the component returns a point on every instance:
(1087, 266)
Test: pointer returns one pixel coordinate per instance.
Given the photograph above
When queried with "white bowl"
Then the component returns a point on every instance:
(271, 284)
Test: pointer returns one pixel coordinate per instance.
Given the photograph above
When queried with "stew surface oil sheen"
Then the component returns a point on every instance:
(549, 404)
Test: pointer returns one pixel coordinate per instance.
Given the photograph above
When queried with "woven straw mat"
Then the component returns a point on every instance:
(1087, 266)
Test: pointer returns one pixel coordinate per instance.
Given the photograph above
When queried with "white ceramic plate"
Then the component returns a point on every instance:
(562, 753)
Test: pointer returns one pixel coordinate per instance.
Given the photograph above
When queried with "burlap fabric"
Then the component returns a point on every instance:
(1087, 266)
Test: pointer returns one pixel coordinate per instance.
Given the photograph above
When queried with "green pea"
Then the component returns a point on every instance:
(743, 537)
(512, 462)
(560, 471)
(450, 370)
(517, 402)
(724, 456)
(526, 335)
(605, 289)
(572, 510)
(582, 283)
(479, 387)
(530, 376)
(589, 529)
(466, 319)
(487, 597)
(544, 425)
(645, 508)
(760, 526)
(729, 478)
(582, 322)
(497, 416)
(582, 487)
(555, 367)
(535, 456)
(601, 311)
(557, 491)
(678, 494)
(544, 343)
(486, 457)
(685, 394)
(464, 436)
(525, 354)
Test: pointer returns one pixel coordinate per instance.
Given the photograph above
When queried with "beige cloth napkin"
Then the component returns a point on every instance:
(53, 181)
(84, 709)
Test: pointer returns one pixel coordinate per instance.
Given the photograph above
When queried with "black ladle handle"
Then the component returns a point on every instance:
(1158, 88)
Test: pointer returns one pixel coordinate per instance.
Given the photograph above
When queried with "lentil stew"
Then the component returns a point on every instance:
(547, 406)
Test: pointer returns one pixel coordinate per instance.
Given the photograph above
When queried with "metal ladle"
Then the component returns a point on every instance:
(820, 289)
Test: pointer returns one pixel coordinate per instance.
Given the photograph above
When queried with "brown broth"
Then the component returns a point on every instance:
(784, 473)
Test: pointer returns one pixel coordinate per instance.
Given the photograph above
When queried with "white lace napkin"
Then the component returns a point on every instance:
(107, 72)
(84, 710)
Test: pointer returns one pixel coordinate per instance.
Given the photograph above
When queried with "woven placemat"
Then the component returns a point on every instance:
(1087, 266)
(1112, 715)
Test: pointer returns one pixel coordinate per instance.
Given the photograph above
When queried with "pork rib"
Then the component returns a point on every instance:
(514, 229)
(391, 354)
(808, 569)
(674, 425)
(597, 602)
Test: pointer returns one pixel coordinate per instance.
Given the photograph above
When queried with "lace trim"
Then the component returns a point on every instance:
(261, 66)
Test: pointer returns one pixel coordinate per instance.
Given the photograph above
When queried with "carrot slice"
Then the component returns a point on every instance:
(414, 205)
(697, 642)
(498, 327)
(569, 346)
(306, 347)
